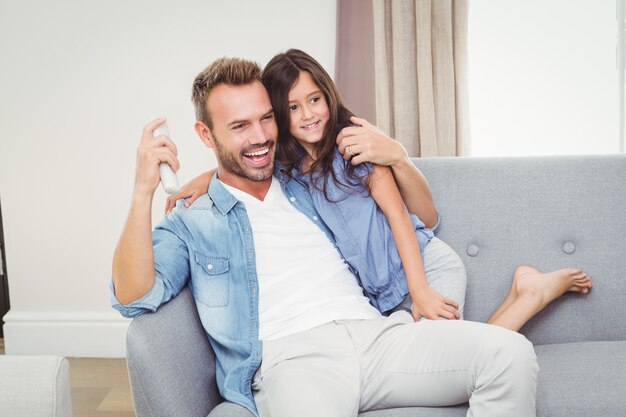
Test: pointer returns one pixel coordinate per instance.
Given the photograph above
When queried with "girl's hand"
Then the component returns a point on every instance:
(194, 189)
(432, 305)
(367, 143)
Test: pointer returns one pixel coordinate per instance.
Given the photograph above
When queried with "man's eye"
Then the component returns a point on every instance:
(269, 117)
(238, 127)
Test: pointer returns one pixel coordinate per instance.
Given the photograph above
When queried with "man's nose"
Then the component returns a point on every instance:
(258, 134)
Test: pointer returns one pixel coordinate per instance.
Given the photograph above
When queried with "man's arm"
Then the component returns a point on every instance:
(133, 261)
(369, 144)
(414, 189)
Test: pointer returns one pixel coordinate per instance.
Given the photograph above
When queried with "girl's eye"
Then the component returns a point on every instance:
(315, 99)
(293, 107)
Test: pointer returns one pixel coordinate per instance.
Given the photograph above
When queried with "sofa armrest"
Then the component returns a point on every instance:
(227, 409)
(170, 362)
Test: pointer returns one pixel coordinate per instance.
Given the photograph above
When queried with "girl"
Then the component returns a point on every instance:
(321, 146)
(361, 204)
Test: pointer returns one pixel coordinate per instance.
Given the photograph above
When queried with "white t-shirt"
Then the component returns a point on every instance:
(303, 281)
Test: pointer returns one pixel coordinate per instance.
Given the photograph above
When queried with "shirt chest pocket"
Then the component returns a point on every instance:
(211, 280)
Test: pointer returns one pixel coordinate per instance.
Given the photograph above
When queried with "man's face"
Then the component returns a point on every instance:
(244, 132)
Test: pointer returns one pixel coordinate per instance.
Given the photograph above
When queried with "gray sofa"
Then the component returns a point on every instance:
(550, 212)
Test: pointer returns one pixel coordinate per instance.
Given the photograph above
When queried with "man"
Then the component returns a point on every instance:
(292, 331)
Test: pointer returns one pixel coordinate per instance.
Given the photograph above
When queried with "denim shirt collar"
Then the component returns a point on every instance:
(223, 200)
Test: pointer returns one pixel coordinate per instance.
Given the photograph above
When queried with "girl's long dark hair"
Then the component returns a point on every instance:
(279, 76)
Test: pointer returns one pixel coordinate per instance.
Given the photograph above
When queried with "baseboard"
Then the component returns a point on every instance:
(80, 334)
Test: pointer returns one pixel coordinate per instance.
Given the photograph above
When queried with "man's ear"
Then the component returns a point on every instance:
(204, 133)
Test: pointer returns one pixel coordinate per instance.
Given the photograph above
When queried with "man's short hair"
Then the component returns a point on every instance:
(230, 71)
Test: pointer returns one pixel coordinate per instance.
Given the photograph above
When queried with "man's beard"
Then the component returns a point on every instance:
(235, 164)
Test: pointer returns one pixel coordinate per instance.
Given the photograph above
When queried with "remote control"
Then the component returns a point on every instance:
(169, 180)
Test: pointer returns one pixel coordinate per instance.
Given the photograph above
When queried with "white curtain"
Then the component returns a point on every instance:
(421, 74)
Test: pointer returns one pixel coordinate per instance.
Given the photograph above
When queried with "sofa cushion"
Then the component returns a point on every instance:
(550, 212)
(585, 379)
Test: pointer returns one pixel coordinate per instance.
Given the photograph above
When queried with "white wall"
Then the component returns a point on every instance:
(543, 77)
(78, 80)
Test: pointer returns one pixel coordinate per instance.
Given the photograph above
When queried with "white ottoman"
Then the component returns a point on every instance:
(35, 386)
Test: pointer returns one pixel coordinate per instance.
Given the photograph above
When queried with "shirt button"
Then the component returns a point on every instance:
(292, 199)
(209, 267)
(315, 218)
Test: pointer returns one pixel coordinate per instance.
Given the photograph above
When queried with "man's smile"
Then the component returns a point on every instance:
(259, 157)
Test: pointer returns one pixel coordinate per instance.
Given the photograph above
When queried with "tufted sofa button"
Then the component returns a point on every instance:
(472, 250)
(569, 247)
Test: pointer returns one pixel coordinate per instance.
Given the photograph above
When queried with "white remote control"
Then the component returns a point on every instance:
(168, 177)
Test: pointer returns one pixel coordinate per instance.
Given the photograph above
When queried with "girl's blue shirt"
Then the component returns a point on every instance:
(362, 233)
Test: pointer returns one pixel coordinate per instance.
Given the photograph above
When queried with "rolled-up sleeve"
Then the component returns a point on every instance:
(146, 304)
(171, 269)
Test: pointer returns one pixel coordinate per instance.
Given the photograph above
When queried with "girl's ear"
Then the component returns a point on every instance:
(204, 133)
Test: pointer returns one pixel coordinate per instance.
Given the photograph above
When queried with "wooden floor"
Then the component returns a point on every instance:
(100, 387)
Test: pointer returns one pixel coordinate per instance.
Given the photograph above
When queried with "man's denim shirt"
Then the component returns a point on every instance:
(212, 244)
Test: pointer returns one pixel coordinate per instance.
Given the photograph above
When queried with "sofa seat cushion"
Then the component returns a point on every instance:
(585, 379)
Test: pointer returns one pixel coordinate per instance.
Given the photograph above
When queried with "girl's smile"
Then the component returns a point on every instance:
(308, 112)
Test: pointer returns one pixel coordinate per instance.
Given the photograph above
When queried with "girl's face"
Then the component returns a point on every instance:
(308, 112)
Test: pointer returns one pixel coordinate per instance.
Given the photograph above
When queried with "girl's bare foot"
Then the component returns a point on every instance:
(512, 294)
(546, 287)
(531, 290)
